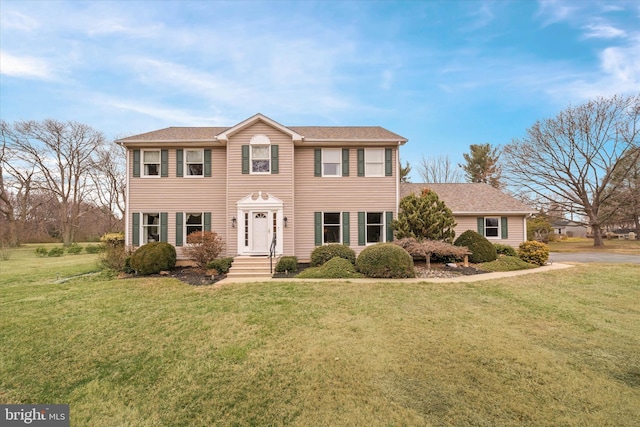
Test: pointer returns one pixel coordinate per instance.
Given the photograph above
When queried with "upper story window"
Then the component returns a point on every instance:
(491, 227)
(194, 162)
(260, 154)
(151, 163)
(374, 162)
(331, 162)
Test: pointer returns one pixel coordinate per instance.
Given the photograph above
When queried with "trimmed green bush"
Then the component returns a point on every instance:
(335, 268)
(322, 254)
(41, 251)
(505, 250)
(56, 252)
(221, 265)
(534, 252)
(287, 264)
(94, 249)
(385, 260)
(482, 250)
(153, 258)
(74, 249)
(506, 263)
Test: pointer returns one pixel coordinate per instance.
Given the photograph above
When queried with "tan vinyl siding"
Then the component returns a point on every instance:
(351, 194)
(180, 194)
(279, 185)
(515, 223)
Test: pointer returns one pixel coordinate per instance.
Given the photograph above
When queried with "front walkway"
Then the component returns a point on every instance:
(470, 278)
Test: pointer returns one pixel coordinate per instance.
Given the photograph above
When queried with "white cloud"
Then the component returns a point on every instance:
(553, 11)
(603, 31)
(14, 20)
(29, 67)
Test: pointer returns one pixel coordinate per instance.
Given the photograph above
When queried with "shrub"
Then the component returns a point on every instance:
(153, 258)
(481, 249)
(288, 264)
(424, 217)
(385, 260)
(505, 250)
(41, 251)
(112, 239)
(335, 268)
(534, 252)
(203, 247)
(431, 248)
(94, 249)
(322, 254)
(57, 251)
(74, 249)
(221, 265)
(115, 257)
(507, 263)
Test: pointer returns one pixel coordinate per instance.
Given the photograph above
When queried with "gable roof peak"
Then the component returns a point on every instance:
(259, 117)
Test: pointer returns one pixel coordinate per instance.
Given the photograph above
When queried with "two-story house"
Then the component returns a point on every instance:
(262, 185)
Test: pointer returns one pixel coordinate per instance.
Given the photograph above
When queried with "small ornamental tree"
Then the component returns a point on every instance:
(203, 247)
(424, 217)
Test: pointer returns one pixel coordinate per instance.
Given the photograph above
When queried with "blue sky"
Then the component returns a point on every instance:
(444, 74)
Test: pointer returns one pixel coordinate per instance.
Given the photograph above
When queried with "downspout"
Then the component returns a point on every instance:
(126, 203)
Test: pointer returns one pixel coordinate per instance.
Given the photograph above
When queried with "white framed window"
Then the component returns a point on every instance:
(194, 163)
(260, 159)
(151, 163)
(150, 227)
(374, 162)
(331, 227)
(492, 227)
(193, 222)
(375, 227)
(331, 162)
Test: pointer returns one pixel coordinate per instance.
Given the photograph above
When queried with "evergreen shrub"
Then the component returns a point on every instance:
(153, 258)
(41, 251)
(534, 252)
(287, 264)
(221, 265)
(74, 249)
(322, 254)
(482, 250)
(385, 260)
(57, 251)
(335, 268)
(505, 249)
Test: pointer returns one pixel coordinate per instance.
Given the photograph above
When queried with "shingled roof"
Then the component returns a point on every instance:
(310, 133)
(470, 198)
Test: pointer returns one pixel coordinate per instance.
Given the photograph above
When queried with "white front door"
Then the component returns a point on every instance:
(260, 233)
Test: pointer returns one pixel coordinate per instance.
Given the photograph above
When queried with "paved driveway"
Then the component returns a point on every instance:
(593, 257)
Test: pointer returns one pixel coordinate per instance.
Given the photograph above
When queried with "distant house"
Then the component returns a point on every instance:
(265, 188)
(482, 208)
(568, 228)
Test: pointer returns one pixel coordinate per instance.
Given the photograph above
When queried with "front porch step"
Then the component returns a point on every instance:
(250, 267)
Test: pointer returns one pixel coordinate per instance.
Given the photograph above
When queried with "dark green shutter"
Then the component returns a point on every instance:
(346, 232)
(275, 164)
(179, 163)
(362, 235)
(317, 226)
(207, 162)
(504, 227)
(245, 159)
(164, 229)
(388, 225)
(481, 225)
(164, 163)
(317, 162)
(345, 162)
(136, 227)
(136, 163)
(179, 228)
(388, 162)
(360, 161)
(207, 221)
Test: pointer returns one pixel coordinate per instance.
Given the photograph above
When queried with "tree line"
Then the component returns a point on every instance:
(59, 181)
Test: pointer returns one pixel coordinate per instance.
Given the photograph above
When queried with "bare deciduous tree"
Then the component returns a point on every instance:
(439, 170)
(575, 156)
(62, 154)
(109, 179)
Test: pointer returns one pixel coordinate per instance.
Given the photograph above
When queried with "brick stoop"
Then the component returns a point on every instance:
(245, 267)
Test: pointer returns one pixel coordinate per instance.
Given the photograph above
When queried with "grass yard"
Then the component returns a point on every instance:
(549, 349)
(625, 247)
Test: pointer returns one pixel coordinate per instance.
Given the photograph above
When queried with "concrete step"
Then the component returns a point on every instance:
(250, 267)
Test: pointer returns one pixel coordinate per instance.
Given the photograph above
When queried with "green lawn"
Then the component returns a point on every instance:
(626, 247)
(548, 349)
